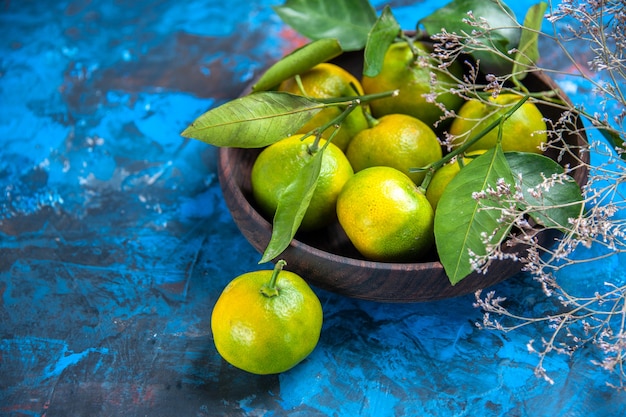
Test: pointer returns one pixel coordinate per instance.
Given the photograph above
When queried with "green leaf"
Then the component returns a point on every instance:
(497, 14)
(382, 35)
(297, 62)
(554, 206)
(253, 121)
(528, 51)
(462, 222)
(292, 205)
(349, 21)
(614, 139)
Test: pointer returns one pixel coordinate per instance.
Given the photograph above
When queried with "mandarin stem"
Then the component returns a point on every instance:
(411, 44)
(269, 289)
(299, 84)
(426, 181)
(371, 120)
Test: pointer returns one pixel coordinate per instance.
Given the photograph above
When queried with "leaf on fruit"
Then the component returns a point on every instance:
(292, 205)
(462, 223)
(253, 121)
(504, 36)
(614, 139)
(551, 206)
(297, 62)
(383, 33)
(528, 51)
(349, 21)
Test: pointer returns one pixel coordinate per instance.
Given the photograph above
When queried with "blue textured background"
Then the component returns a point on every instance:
(115, 241)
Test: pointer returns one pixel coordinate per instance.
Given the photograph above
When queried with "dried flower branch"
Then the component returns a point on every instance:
(590, 37)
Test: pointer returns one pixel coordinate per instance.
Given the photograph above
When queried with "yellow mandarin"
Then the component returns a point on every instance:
(281, 163)
(386, 216)
(444, 175)
(396, 140)
(412, 77)
(524, 131)
(266, 334)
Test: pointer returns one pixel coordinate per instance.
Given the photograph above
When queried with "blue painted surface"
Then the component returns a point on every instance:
(115, 242)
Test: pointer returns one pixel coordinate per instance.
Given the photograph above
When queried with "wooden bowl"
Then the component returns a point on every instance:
(327, 259)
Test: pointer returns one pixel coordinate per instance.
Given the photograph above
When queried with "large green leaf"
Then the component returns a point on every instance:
(551, 207)
(349, 21)
(253, 121)
(462, 222)
(496, 13)
(292, 205)
(528, 51)
(297, 62)
(383, 33)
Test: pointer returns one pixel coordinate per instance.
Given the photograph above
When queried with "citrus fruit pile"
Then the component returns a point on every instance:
(370, 179)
